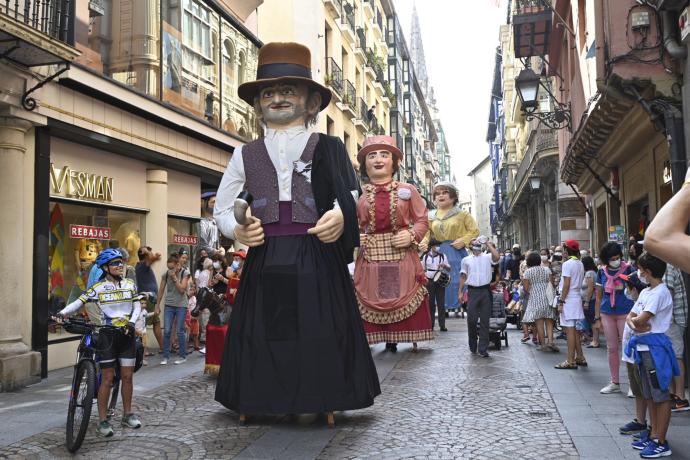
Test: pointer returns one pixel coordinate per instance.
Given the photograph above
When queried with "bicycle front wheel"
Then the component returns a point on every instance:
(80, 404)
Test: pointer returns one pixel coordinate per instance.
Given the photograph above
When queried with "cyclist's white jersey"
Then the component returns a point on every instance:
(118, 302)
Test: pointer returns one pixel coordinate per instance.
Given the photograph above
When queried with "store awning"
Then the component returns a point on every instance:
(605, 114)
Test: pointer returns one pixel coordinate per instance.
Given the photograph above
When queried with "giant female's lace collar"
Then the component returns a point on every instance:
(370, 191)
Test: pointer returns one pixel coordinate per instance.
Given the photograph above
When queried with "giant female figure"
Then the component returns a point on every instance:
(389, 278)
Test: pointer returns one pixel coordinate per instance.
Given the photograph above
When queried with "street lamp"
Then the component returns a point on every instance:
(535, 182)
(527, 85)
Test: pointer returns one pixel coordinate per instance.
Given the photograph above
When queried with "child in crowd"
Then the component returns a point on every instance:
(652, 351)
(639, 425)
(191, 323)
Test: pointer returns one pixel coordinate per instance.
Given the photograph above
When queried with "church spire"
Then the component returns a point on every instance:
(417, 51)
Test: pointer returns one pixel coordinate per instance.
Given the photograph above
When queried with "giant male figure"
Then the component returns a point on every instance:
(296, 342)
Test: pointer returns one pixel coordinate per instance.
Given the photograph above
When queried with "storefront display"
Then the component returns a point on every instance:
(183, 234)
(77, 234)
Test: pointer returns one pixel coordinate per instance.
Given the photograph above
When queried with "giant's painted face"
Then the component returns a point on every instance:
(285, 105)
(379, 166)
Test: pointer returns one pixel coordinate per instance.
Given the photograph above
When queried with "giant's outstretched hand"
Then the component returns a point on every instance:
(251, 234)
(329, 228)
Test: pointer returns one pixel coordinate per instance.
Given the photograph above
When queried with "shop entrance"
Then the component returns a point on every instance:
(638, 218)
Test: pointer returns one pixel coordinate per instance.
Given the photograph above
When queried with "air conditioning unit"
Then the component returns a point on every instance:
(684, 25)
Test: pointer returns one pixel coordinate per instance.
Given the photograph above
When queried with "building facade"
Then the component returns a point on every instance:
(482, 195)
(538, 209)
(112, 150)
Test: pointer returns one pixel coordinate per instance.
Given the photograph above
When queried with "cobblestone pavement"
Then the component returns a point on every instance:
(439, 403)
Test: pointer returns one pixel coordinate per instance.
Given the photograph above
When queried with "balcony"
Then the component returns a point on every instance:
(37, 32)
(542, 147)
(374, 67)
(368, 7)
(347, 23)
(334, 78)
(334, 7)
(377, 25)
(361, 119)
(361, 48)
(531, 28)
(348, 103)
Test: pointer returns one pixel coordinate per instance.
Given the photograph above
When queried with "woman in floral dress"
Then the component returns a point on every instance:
(539, 312)
(389, 277)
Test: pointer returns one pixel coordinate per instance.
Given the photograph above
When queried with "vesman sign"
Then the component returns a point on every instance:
(79, 184)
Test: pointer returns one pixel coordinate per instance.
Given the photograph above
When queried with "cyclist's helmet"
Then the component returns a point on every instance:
(106, 256)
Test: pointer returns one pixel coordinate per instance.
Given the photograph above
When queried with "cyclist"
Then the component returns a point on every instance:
(119, 306)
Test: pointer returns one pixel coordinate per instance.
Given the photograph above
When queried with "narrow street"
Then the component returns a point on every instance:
(439, 403)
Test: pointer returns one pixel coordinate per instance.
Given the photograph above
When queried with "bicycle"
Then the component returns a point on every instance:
(86, 379)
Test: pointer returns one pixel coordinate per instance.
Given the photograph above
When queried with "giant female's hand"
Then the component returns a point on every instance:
(458, 244)
(251, 234)
(329, 228)
(402, 240)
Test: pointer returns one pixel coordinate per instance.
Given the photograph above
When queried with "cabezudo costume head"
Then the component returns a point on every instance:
(282, 63)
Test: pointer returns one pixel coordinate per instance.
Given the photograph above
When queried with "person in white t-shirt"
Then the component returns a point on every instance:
(655, 360)
(570, 304)
(477, 272)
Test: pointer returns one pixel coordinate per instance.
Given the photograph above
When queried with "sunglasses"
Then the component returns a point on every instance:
(117, 263)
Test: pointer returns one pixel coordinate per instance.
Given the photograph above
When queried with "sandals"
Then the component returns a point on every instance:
(566, 365)
(581, 362)
(524, 339)
(591, 345)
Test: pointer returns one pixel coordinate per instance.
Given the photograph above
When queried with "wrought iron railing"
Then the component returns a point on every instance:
(542, 139)
(349, 93)
(376, 63)
(361, 38)
(379, 19)
(53, 18)
(348, 16)
(338, 4)
(531, 6)
(334, 75)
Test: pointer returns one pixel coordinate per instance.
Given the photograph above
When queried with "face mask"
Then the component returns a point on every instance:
(557, 258)
(630, 294)
(476, 249)
(216, 265)
(641, 278)
(544, 258)
(615, 263)
(558, 254)
(235, 265)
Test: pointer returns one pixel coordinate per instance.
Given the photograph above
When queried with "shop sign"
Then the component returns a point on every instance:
(88, 232)
(617, 234)
(190, 240)
(80, 184)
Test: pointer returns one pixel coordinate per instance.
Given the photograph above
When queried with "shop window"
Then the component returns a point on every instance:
(120, 40)
(182, 234)
(191, 38)
(77, 234)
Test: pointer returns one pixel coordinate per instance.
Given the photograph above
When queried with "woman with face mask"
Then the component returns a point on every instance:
(611, 307)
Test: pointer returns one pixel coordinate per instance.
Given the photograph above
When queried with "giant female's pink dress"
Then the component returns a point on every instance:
(389, 282)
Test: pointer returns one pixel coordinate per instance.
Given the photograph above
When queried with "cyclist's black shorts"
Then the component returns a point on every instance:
(115, 346)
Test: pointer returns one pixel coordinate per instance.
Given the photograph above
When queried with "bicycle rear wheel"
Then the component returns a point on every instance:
(80, 404)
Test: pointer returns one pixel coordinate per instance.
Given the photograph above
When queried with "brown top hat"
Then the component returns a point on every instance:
(282, 63)
(374, 143)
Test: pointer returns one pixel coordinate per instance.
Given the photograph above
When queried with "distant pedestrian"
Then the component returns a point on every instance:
(477, 272)
(173, 292)
(539, 311)
(147, 285)
(589, 299)
(570, 304)
(435, 263)
(513, 266)
(676, 333)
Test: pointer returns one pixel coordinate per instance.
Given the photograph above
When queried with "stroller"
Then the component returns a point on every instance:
(513, 308)
(497, 321)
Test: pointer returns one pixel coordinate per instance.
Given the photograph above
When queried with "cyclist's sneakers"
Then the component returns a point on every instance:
(131, 421)
(632, 427)
(104, 429)
(656, 450)
(678, 404)
(180, 361)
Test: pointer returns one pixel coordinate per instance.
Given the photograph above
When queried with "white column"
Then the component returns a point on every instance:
(157, 217)
(19, 366)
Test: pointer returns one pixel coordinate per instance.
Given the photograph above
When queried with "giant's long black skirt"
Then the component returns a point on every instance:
(296, 342)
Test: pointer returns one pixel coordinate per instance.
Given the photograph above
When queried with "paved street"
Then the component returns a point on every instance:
(439, 403)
